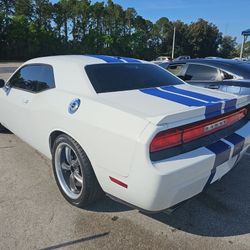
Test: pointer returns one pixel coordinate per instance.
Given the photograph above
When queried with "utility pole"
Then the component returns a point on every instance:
(242, 46)
(173, 46)
(245, 34)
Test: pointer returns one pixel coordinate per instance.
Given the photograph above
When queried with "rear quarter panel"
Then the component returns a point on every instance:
(108, 135)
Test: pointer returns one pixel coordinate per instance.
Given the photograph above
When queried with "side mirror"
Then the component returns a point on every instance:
(2, 83)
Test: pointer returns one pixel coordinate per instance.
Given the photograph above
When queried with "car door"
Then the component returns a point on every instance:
(18, 95)
(203, 76)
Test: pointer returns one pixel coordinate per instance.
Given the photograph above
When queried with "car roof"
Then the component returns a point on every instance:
(63, 64)
(212, 61)
(83, 60)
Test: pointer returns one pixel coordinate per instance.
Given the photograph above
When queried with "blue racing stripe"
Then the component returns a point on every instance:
(238, 142)
(130, 60)
(108, 59)
(212, 109)
(189, 93)
(230, 105)
(172, 97)
(222, 151)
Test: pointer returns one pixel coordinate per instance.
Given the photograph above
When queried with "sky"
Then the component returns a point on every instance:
(231, 16)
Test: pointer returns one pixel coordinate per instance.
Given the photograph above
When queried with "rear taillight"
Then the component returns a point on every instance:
(175, 137)
(166, 139)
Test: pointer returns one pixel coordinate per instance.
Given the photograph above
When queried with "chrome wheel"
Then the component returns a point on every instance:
(68, 170)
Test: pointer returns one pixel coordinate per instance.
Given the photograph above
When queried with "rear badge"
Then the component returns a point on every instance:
(74, 105)
(215, 126)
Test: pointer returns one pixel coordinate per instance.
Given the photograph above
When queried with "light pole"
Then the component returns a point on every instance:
(245, 34)
(242, 47)
(173, 46)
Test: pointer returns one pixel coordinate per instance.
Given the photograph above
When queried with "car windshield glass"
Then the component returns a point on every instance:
(128, 76)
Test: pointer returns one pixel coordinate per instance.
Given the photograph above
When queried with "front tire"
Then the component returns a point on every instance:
(74, 173)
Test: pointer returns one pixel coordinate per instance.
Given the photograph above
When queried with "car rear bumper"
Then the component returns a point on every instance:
(168, 182)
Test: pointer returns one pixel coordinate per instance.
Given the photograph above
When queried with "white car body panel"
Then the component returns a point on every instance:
(115, 130)
(155, 109)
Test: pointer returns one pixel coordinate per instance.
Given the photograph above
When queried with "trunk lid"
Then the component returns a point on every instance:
(175, 105)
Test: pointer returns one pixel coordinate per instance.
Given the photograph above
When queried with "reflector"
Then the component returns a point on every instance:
(118, 182)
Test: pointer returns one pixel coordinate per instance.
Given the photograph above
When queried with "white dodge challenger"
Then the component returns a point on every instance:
(124, 127)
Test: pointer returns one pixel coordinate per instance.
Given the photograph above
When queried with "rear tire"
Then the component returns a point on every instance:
(74, 173)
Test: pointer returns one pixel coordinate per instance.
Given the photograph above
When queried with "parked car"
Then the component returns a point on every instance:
(222, 74)
(182, 58)
(124, 127)
(213, 57)
(241, 59)
(161, 59)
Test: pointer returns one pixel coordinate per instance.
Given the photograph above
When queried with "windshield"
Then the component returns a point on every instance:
(128, 76)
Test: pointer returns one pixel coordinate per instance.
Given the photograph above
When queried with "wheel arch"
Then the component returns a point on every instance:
(52, 137)
(54, 134)
(57, 132)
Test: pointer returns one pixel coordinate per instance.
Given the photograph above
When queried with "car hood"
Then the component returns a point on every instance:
(176, 105)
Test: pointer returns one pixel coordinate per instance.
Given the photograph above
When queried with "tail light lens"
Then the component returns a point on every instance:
(174, 137)
(166, 139)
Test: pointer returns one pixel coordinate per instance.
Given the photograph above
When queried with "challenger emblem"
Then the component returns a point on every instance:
(74, 105)
(214, 125)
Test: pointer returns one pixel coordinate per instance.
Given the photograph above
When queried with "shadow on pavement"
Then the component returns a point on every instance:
(108, 205)
(222, 210)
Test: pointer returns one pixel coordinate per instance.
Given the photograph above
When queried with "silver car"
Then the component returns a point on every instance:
(223, 74)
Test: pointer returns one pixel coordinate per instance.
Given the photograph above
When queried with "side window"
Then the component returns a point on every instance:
(34, 78)
(176, 69)
(196, 72)
(226, 76)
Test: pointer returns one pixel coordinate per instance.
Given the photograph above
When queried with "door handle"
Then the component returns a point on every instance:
(212, 86)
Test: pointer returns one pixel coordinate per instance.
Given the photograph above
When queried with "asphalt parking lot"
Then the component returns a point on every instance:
(34, 215)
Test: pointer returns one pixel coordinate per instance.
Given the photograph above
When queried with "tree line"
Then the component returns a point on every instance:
(32, 28)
